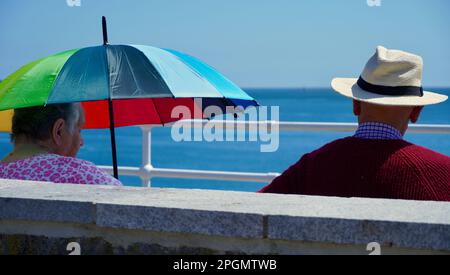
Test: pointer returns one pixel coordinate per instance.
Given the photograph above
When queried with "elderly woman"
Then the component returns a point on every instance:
(46, 141)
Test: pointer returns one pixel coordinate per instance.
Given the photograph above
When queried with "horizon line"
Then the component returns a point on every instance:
(322, 87)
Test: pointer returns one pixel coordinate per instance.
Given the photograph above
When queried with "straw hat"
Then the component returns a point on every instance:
(391, 77)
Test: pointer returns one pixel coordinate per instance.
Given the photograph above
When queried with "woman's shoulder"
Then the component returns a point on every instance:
(75, 164)
(56, 168)
(63, 160)
(88, 171)
(49, 160)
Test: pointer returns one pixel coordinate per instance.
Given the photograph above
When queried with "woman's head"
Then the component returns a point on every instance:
(57, 127)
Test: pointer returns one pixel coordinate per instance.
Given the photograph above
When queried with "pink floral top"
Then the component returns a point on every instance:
(57, 169)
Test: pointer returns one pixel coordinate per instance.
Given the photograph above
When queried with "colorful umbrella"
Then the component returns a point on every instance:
(119, 85)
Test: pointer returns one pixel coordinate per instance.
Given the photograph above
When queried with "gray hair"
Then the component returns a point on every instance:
(36, 123)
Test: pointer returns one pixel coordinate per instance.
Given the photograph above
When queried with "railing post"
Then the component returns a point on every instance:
(146, 166)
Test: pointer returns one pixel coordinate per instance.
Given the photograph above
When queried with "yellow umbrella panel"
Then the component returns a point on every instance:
(6, 120)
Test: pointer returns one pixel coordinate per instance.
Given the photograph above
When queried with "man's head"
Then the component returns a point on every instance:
(397, 116)
(389, 89)
(56, 127)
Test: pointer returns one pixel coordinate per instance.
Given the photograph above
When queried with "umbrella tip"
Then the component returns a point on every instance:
(105, 31)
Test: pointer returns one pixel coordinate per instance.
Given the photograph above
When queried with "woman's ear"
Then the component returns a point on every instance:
(356, 107)
(414, 117)
(57, 131)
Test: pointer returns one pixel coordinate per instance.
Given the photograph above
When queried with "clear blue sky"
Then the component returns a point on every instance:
(256, 43)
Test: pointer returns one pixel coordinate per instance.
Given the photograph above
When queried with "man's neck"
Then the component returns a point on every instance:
(401, 127)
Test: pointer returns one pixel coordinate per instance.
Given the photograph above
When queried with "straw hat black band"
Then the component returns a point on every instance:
(389, 90)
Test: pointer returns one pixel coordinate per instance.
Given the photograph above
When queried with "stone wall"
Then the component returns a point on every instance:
(43, 218)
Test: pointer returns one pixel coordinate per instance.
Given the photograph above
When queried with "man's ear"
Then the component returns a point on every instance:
(57, 131)
(414, 117)
(356, 107)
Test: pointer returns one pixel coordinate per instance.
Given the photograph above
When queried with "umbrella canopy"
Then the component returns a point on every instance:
(144, 82)
(119, 85)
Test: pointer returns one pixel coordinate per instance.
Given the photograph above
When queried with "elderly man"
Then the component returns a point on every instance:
(376, 162)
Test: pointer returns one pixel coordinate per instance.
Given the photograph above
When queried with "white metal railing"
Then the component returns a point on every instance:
(146, 172)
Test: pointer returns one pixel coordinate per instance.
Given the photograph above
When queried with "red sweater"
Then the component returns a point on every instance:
(353, 167)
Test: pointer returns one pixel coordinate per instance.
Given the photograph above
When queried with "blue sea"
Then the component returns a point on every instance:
(305, 105)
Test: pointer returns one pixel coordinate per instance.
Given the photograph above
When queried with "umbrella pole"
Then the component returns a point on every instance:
(113, 138)
(111, 110)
